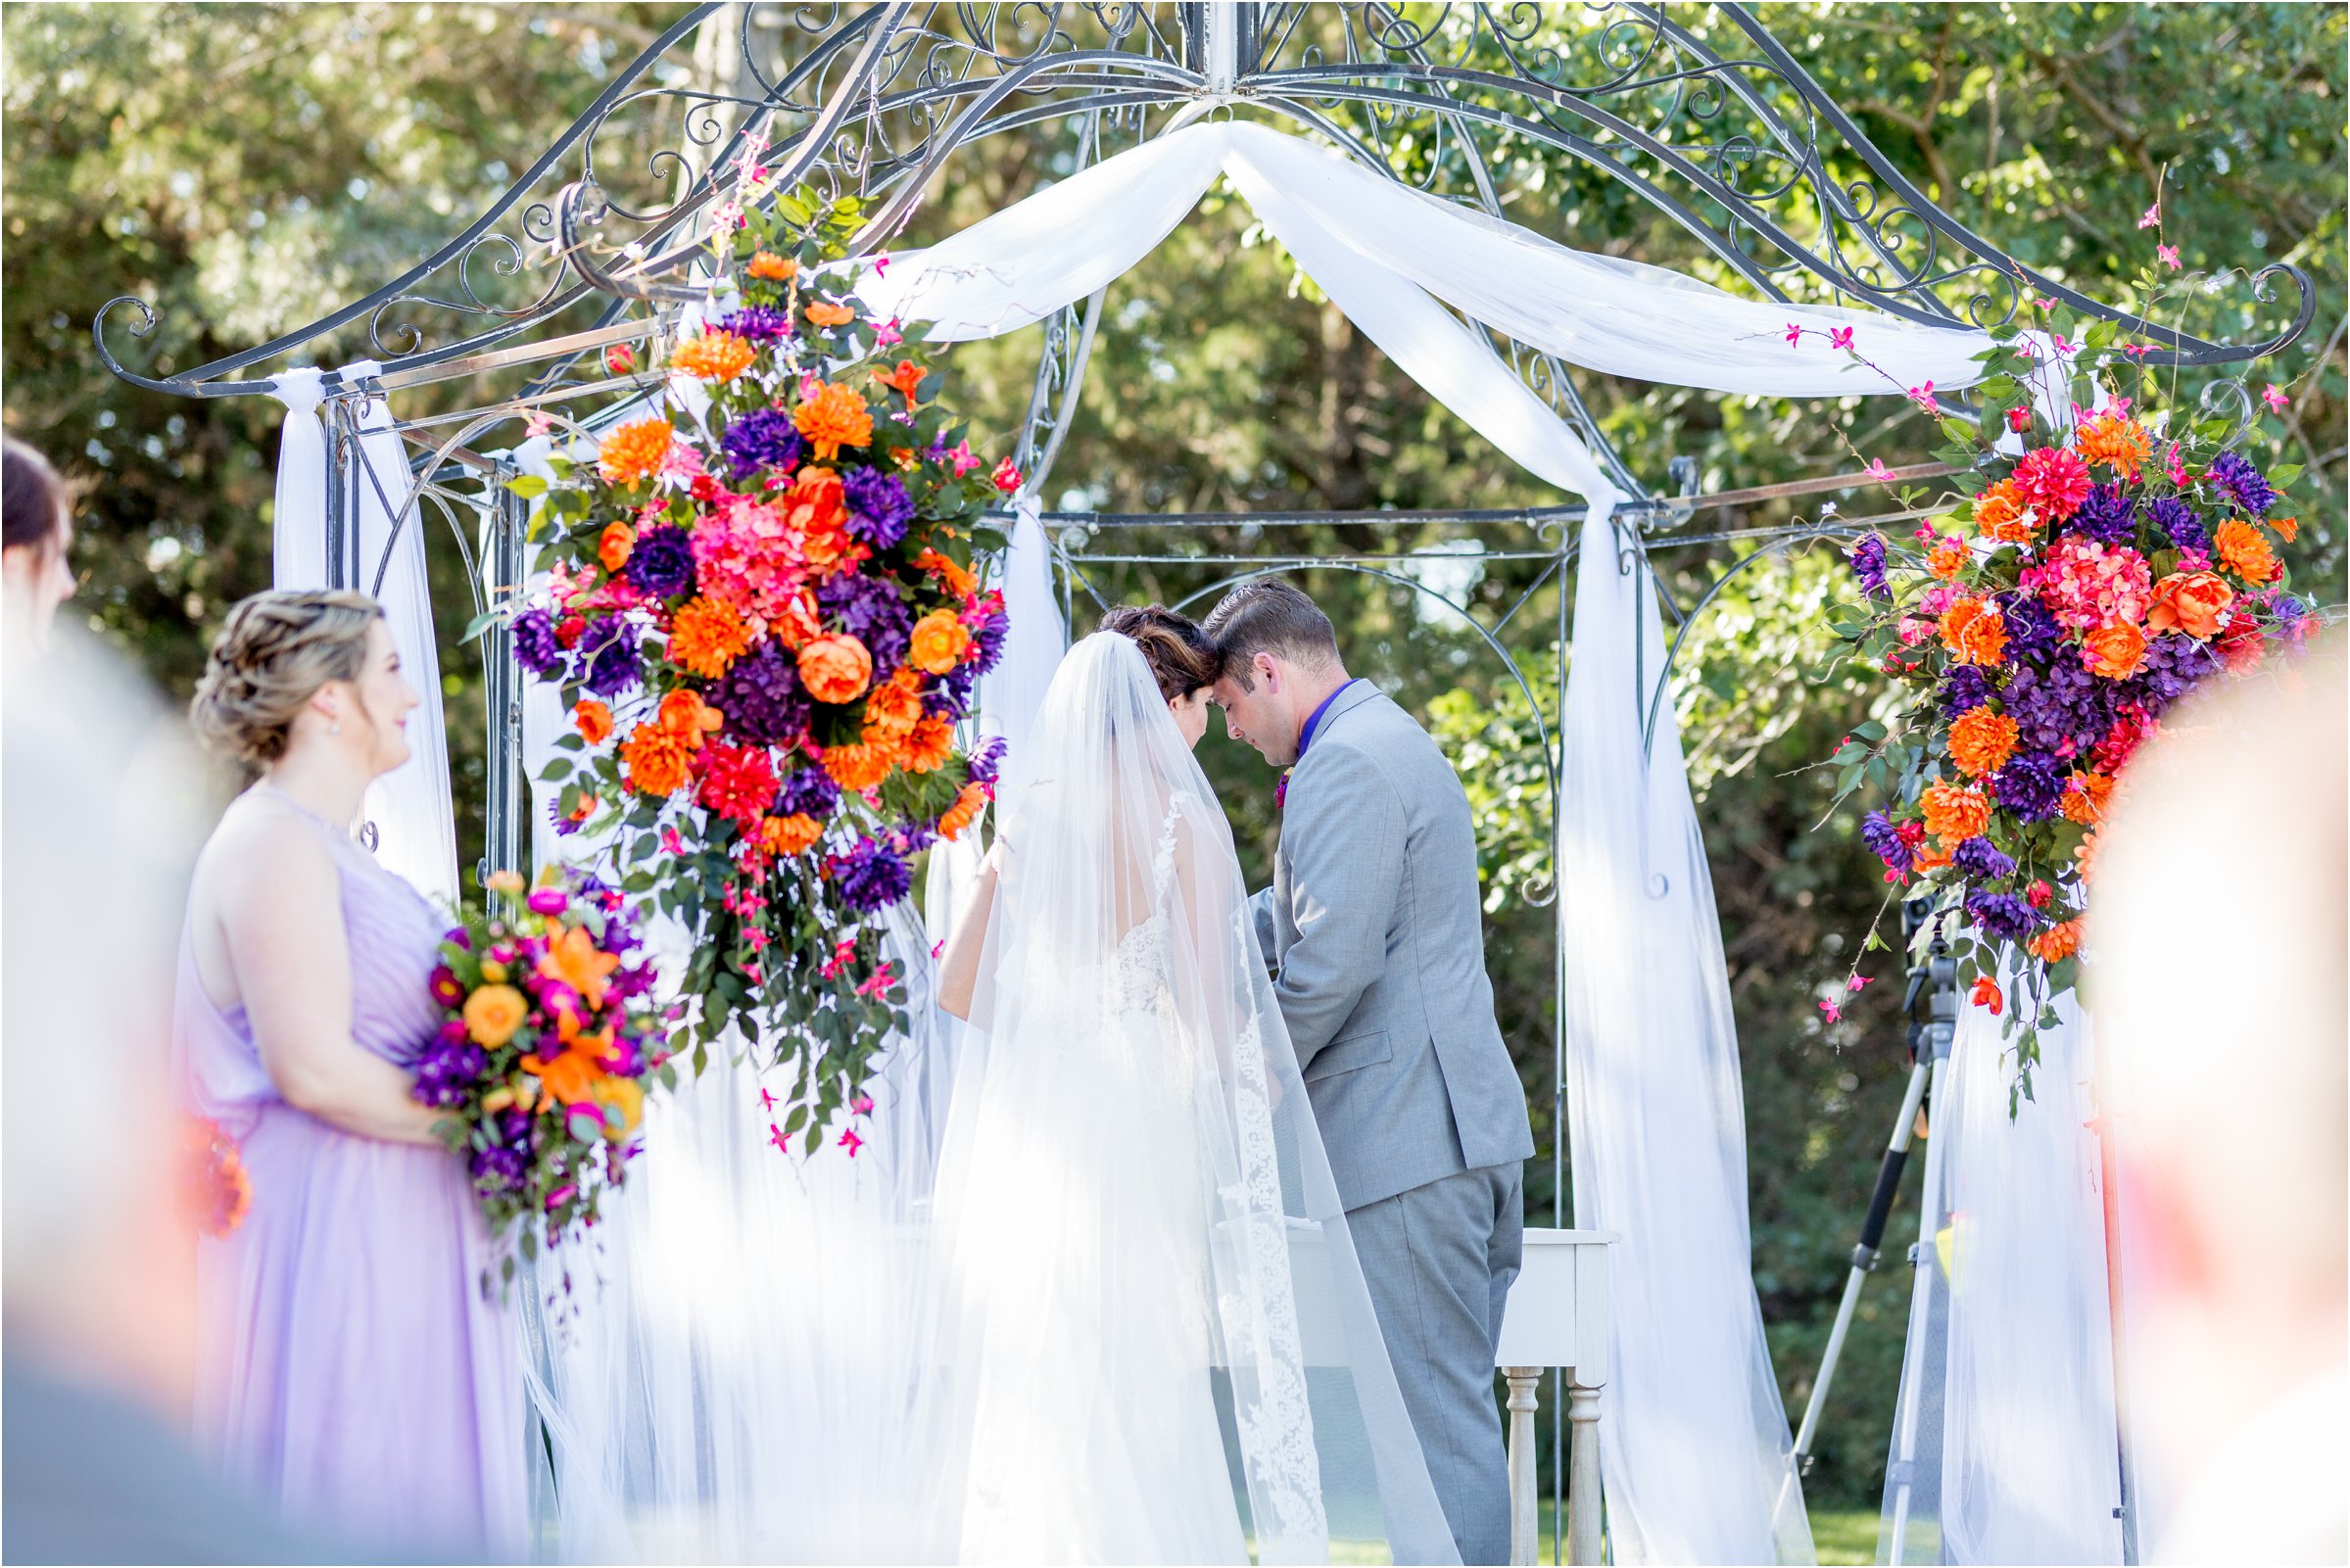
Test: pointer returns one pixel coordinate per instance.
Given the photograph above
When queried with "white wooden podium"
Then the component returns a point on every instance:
(1557, 1317)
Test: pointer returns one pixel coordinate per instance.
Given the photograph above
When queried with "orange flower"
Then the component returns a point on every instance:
(2059, 942)
(964, 811)
(906, 457)
(614, 546)
(2114, 651)
(2244, 552)
(1930, 857)
(1974, 632)
(951, 576)
(626, 1096)
(856, 768)
(592, 720)
(893, 708)
(825, 313)
(2085, 795)
(1948, 559)
(1954, 813)
(1980, 741)
(2193, 602)
(492, 1014)
(939, 640)
(797, 623)
(2118, 442)
(654, 759)
(567, 1076)
(689, 717)
(714, 357)
(2084, 856)
(790, 835)
(930, 746)
(836, 668)
(833, 418)
(773, 267)
(574, 959)
(2286, 527)
(635, 450)
(903, 380)
(2000, 514)
(1987, 994)
(707, 635)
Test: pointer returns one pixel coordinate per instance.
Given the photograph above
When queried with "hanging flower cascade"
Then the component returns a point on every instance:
(2059, 601)
(767, 621)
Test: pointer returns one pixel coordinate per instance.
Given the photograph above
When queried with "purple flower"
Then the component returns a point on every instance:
(807, 791)
(871, 877)
(1965, 688)
(446, 1071)
(761, 697)
(763, 437)
(2107, 517)
(661, 562)
(2179, 523)
(498, 1169)
(990, 640)
(760, 323)
(2032, 631)
(612, 666)
(2059, 707)
(548, 900)
(986, 760)
(535, 646)
(1867, 556)
(878, 508)
(2174, 662)
(1885, 839)
(2241, 483)
(871, 610)
(2030, 785)
(1979, 859)
(2002, 914)
(564, 827)
(950, 697)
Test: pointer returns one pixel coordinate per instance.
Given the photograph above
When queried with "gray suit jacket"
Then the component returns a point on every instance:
(1373, 921)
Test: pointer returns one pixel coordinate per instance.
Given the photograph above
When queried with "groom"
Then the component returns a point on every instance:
(1372, 918)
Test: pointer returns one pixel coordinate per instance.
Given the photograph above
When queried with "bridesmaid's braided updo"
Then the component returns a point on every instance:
(273, 655)
(1181, 658)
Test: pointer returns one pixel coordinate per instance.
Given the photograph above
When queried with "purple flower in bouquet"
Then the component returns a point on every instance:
(631, 981)
(950, 697)
(2107, 517)
(2179, 523)
(2031, 787)
(807, 791)
(445, 1071)
(661, 562)
(986, 760)
(565, 823)
(760, 323)
(1979, 859)
(498, 1169)
(548, 901)
(762, 698)
(2241, 483)
(2002, 915)
(1885, 841)
(611, 647)
(763, 437)
(871, 610)
(2174, 662)
(1867, 556)
(872, 879)
(1965, 688)
(911, 838)
(535, 646)
(2058, 707)
(2031, 631)
(878, 508)
(990, 640)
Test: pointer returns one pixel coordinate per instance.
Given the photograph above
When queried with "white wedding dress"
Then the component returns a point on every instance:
(1103, 1308)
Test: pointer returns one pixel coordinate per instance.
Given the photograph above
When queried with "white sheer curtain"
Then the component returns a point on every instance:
(409, 807)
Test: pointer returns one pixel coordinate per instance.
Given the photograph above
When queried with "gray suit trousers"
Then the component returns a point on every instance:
(1439, 1260)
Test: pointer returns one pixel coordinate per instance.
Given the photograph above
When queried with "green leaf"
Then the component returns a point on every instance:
(528, 486)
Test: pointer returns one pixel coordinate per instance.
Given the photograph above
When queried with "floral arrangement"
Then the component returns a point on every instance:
(765, 614)
(2073, 584)
(216, 1186)
(548, 1042)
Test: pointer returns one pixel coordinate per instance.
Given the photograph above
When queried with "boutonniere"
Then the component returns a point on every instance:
(1281, 791)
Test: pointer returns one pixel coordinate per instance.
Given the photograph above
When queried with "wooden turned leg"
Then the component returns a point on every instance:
(1582, 1472)
(1525, 1518)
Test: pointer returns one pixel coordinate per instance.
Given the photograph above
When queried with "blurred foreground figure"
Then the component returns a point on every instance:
(100, 807)
(2218, 986)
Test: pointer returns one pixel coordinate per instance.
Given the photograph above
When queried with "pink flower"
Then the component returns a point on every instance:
(671, 843)
(2137, 350)
(2153, 217)
(862, 1105)
(886, 335)
(843, 951)
(2087, 586)
(851, 1142)
(879, 982)
(2275, 398)
(2169, 255)
(1839, 338)
(727, 216)
(1923, 396)
(539, 423)
(963, 458)
(1006, 476)
(766, 1100)
(1857, 981)
(1795, 334)
(2019, 418)
(2054, 479)
(1915, 629)
(1835, 1012)
(2043, 301)
(880, 264)
(775, 1135)
(1879, 472)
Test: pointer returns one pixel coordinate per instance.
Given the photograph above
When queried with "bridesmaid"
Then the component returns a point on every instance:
(352, 1366)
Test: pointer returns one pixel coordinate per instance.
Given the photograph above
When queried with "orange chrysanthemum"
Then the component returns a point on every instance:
(1974, 632)
(2114, 440)
(1948, 559)
(635, 450)
(1982, 742)
(855, 767)
(964, 811)
(2244, 552)
(825, 313)
(714, 357)
(2286, 527)
(893, 708)
(773, 267)
(2059, 942)
(1954, 813)
(707, 635)
(656, 759)
(2085, 796)
(593, 720)
(930, 746)
(790, 835)
(2000, 514)
(951, 576)
(2084, 856)
(833, 418)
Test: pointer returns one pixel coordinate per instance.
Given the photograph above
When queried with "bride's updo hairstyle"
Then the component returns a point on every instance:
(275, 653)
(1181, 658)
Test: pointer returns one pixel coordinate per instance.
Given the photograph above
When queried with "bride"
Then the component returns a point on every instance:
(1104, 1308)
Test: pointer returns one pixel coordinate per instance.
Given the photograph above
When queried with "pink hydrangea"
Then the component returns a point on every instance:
(747, 553)
(2087, 585)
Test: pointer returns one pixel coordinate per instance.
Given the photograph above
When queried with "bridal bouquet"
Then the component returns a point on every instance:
(2071, 588)
(549, 1044)
(764, 612)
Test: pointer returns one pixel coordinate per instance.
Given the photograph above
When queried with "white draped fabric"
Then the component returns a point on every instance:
(1696, 1445)
(409, 807)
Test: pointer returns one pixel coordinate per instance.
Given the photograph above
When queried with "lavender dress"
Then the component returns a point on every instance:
(351, 1368)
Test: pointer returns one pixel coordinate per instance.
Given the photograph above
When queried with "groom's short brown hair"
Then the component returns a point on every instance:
(1270, 616)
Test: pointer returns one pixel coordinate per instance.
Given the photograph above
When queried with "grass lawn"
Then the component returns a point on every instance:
(1842, 1534)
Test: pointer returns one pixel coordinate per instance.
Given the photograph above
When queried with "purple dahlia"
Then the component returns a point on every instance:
(2031, 787)
(2107, 517)
(2241, 483)
(990, 637)
(661, 562)
(535, 646)
(2174, 662)
(871, 877)
(878, 508)
(1965, 688)
(1885, 841)
(2058, 707)
(2179, 523)
(1979, 859)
(611, 647)
(871, 610)
(762, 698)
(445, 1071)
(764, 438)
(986, 760)
(950, 697)
(807, 791)
(1867, 556)
(2002, 914)
(2032, 631)
(760, 323)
